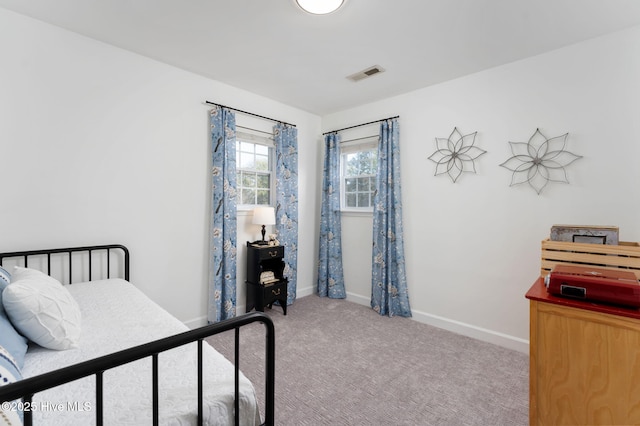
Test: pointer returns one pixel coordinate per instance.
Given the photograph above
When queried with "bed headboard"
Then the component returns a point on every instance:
(74, 263)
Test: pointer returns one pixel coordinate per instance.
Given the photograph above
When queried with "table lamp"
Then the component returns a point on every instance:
(264, 216)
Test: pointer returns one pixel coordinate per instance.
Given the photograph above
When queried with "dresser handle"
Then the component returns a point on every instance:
(275, 293)
(273, 253)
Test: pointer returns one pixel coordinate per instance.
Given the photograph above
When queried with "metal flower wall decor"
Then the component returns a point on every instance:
(539, 161)
(456, 154)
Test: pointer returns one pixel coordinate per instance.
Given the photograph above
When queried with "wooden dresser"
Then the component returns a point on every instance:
(584, 362)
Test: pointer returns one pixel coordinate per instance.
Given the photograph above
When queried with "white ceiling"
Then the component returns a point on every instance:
(272, 48)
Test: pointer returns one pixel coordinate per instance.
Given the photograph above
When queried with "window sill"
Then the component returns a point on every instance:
(246, 209)
(356, 213)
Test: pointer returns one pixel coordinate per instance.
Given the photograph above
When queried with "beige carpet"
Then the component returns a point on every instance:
(340, 363)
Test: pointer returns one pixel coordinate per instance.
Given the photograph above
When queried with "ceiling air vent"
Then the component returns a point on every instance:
(376, 69)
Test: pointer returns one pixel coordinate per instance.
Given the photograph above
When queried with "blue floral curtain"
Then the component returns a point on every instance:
(389, 295)
(286, 141)
(223, 234)
(330, 272)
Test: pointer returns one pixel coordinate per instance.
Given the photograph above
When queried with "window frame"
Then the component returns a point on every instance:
(347, 148)
(254, 139)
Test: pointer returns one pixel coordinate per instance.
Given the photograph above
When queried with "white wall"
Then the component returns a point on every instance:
(473, 247)
(101, 145)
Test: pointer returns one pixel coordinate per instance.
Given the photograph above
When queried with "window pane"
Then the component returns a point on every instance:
(351, 200)
(263, 197)
(352, 165)
(249, 180)
(262, 149)
(363, 184)
(363, 199)
(248, 196)
(372, 184)
(263, 181)
(365, 163)
(351, 185)
(246, 147)
(262, 162)
(247, 161)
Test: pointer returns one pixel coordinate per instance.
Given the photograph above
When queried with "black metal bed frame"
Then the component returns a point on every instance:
(26, 388)
(107, 248)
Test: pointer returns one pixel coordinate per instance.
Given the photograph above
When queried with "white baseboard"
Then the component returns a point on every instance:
(462, 328)
(305, 291)
(196, 322)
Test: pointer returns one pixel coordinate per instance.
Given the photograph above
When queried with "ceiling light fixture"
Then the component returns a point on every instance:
(320, 7)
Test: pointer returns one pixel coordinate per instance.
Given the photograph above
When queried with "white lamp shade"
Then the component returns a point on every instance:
(320, 7)
(264, 216)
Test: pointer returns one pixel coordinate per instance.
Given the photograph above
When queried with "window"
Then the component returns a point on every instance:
(359, 165)
(254, 169)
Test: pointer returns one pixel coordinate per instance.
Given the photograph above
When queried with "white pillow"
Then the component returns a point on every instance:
(42, 309)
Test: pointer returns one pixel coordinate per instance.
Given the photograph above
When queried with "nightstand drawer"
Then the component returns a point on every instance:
(275, 292)
(270, 253)
(259, 296)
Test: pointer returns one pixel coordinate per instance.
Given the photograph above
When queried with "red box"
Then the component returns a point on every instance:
(596, 284)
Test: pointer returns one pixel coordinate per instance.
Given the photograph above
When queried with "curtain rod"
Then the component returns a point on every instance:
(360, 125)
(255, 130)
(250, 113)
(359, 139)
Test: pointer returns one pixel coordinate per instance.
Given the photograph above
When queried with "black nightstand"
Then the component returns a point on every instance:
(266, 283)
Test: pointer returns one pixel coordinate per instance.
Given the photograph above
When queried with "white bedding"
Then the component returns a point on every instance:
(115, 316)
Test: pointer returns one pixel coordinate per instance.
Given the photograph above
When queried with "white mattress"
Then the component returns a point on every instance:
(116, 315)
